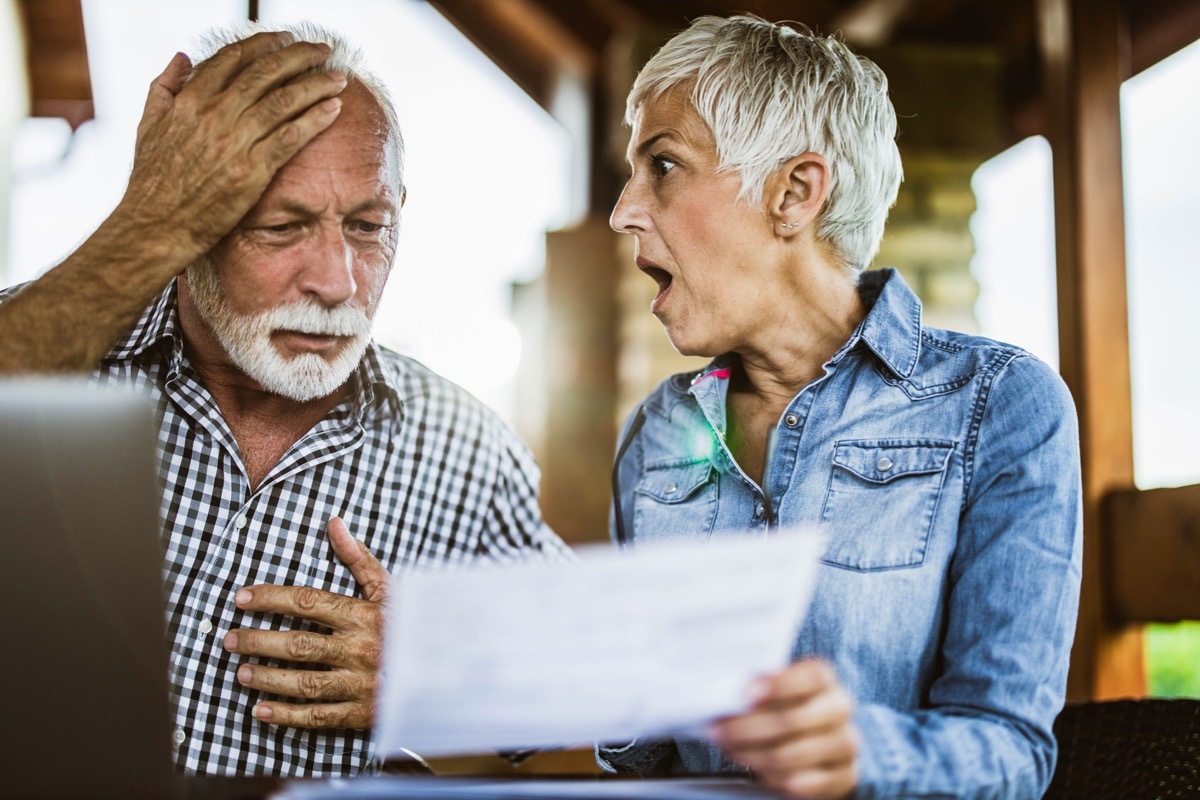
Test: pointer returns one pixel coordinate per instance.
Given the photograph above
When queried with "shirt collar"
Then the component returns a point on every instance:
(892, 328)
(158, 323)
(372, 381)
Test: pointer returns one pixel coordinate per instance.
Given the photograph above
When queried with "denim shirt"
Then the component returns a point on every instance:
(945, 468)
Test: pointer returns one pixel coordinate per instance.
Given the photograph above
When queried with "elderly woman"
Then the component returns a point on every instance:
(944, 467)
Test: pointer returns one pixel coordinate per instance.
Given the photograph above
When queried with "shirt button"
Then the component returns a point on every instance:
(240, 522)
(884, 464)
(205, 626)
(179, 736)
(791, 420)
(758, 509)
(671, 488)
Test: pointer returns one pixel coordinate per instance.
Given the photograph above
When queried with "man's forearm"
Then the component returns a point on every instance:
(69, 318)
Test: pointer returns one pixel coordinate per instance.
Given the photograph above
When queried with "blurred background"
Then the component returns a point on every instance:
(1051, 197)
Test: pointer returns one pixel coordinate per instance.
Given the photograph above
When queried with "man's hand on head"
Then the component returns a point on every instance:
(344, 695)
(208, 147)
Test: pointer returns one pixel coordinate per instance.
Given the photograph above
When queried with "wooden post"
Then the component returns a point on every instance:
(1084, 46)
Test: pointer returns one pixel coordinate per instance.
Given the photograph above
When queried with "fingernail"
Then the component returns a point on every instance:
(262, 711)
(758, 690)
(339, 77)
(243, 597)
(332, 104)
(245, 674)
(231, 641)
(325, 47)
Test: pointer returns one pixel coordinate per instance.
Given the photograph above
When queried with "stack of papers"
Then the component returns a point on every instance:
(620, 644)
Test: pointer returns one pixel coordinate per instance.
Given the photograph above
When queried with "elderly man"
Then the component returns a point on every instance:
(235, 283)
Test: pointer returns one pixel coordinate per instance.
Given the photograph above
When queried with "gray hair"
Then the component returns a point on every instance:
(769, 92)
(346, 58)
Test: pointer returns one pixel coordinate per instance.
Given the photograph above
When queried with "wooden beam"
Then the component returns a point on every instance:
(1153, 540)
(530, 45)
(60, 84)
(1160, 28)
(1084, 53)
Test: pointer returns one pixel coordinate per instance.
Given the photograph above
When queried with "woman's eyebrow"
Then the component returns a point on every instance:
(648, 144)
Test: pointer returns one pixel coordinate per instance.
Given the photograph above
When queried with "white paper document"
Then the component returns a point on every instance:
(617, 645)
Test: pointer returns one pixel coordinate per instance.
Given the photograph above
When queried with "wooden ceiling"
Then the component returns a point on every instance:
(536, 41)
(533, 41)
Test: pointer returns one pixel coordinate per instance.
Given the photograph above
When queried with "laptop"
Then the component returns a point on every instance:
(84, 681)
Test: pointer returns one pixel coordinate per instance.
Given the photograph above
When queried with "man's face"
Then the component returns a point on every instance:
(290, 292)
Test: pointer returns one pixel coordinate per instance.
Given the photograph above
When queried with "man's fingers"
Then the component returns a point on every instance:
(218, 71)
(358, 714)
(163, 90)
(293, 99)
(325, 685)
(335, 611)
(302, 646)
(371, 575)
(273, 151)
(268, 72)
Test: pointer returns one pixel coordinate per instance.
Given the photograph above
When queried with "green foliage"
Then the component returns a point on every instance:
(1173, 659)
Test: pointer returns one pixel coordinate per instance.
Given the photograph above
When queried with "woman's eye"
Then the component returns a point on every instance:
(662, 165)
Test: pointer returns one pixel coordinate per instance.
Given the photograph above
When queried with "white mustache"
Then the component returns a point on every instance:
(312, 318)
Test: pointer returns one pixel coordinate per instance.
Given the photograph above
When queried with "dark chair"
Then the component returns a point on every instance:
(1128, 749)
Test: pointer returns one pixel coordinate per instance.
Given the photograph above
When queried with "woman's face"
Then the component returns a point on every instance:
(718, 274)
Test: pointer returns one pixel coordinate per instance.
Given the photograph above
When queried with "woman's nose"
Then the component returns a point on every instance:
(628, 215)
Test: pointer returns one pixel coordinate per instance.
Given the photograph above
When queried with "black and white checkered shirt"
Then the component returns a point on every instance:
(418, 469)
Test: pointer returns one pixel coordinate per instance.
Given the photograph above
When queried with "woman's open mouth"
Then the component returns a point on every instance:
(661, 277)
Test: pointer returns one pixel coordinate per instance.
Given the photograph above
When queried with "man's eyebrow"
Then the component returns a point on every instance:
(376, 204)
(300, 209)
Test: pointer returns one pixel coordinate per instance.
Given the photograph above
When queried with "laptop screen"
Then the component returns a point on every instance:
(84, 689)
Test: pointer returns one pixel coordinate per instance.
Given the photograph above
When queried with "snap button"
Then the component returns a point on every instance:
(758, 509)
(791, 420)
(671, 488)
(240, 522)
(884, 464)
(179, 736)
(205, 626)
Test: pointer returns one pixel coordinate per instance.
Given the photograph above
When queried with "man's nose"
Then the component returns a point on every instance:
(328, 273)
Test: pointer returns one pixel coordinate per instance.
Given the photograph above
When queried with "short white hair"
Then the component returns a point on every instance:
(345, 57)
(769, 92)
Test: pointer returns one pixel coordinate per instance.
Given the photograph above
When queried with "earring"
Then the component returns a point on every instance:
(790, 225)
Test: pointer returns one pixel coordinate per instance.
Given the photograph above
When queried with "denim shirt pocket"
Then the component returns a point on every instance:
(881, 501)
(675, 499)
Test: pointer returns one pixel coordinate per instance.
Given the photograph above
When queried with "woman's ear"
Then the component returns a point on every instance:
(797, 192)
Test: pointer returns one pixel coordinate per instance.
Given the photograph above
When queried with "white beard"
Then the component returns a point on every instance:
(247, 338)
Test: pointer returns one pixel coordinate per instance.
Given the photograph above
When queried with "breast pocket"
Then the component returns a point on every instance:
(675, 500)
(883, 495)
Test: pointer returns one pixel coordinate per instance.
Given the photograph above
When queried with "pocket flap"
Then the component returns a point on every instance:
(674, 483)
(882, 461)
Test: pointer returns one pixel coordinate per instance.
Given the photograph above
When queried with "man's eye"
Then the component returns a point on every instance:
(662, 165)
(283, 227)
(364, 227)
